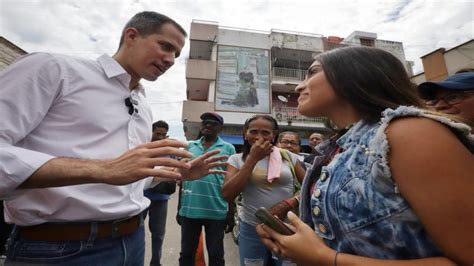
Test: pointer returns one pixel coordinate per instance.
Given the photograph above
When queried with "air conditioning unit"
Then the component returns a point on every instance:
(279, 115)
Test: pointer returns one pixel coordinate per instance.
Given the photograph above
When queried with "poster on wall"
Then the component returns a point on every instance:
(242, 83)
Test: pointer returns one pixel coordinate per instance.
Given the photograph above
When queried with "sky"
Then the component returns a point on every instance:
(88, 28)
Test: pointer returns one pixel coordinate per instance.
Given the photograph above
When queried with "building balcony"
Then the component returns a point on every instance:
(291, 116)
(201, 69)
(199, 74)
(204, 30)
(288, 75)
(202, 38)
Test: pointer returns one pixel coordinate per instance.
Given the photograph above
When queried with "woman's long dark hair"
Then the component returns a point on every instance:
(246, 147)
(370, 79)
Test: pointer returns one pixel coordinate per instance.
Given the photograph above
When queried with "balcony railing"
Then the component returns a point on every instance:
(291, 114)
(288, 74)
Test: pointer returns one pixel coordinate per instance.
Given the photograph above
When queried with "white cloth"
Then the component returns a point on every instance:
(274, 165)
(60, 106)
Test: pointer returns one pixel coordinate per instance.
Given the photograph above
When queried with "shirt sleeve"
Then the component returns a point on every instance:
(29, 88)
(150, 182)
(231, 150)
(235, 160)
(294, 157)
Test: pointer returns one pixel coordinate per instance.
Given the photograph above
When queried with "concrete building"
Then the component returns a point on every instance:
(441, 63)
(239, 72)
(363, 38)
(8, 52)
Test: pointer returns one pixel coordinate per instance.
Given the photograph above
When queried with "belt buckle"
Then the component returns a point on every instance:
(115, 226)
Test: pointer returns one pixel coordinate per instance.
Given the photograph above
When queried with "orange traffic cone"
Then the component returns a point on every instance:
(199, 260)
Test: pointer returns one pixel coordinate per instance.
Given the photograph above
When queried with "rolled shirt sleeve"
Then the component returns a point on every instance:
(29, 87)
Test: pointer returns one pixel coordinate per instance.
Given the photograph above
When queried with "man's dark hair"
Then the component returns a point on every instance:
(370, 79)
(160, 124)
(320, 134)
(149, 22)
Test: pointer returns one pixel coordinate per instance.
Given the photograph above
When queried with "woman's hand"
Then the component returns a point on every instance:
(260, 149)
(304, 247)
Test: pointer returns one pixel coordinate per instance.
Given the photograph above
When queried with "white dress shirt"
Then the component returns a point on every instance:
(60, 106)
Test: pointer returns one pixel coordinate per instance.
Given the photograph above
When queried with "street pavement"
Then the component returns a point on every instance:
(172, 244)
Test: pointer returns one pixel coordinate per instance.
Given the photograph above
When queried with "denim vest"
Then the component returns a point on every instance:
(355, 205)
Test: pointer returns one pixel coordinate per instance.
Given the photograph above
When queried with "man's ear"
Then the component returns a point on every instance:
(130, 34)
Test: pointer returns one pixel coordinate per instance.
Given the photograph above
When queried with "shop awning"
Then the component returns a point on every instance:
(233, 139)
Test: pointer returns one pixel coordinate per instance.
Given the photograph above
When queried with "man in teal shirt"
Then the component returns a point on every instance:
(202, 203)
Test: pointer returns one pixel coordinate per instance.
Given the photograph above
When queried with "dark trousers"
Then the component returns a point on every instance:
(190, 232)
(5, 230)
(157, 225)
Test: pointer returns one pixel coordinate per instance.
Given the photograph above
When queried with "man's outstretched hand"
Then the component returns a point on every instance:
(204, 165)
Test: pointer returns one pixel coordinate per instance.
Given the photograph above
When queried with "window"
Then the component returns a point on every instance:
(367, 42)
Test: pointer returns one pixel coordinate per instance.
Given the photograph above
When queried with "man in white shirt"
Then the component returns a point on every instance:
(75, 150)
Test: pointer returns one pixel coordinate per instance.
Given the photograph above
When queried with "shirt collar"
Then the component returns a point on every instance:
(113, 69)
(219, 142)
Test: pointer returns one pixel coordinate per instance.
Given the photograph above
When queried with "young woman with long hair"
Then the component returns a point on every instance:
(399, 189)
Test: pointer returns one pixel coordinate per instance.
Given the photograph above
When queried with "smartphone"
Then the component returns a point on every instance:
(264, 216)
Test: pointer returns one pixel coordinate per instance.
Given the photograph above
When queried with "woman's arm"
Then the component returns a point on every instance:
(300, 172)
(434, 173)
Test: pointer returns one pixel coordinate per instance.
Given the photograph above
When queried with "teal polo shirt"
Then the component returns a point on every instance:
(202, 198)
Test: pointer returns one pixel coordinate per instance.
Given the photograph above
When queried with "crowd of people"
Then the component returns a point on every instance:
(82, 164)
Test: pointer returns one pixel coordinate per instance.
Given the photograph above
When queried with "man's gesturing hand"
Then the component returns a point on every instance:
(203, 165)
(133, 165)
(140, 162)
